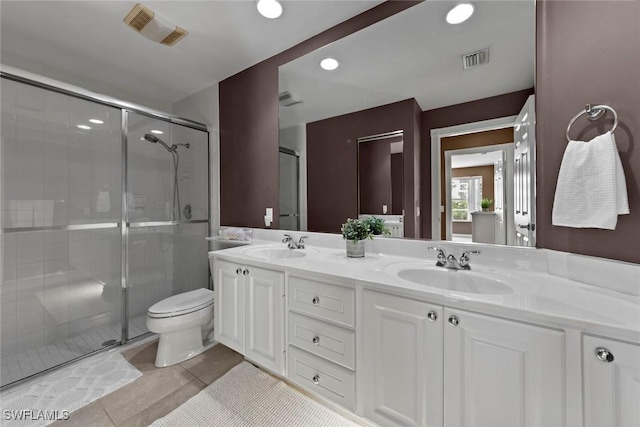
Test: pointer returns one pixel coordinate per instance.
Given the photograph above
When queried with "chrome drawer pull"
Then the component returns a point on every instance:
(238, 270)
(433, 316)
(315, 300)
(453, 320)
(604, 355)
(316, 379)
(316, 340)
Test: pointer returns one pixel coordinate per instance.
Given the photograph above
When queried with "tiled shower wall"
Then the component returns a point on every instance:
(60, 289)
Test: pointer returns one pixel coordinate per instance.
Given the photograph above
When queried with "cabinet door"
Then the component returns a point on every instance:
(402, 361)
(264, 318)
(501, 373)
(611, 383)
(228, 313)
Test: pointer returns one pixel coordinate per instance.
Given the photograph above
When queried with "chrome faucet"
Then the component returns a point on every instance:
(464, 259)
(442, 257)
(292, 244)
(450, 261)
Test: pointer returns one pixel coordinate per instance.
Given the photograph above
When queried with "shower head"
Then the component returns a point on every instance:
(155, 139)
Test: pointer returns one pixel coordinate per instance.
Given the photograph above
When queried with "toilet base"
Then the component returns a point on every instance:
(176, 347)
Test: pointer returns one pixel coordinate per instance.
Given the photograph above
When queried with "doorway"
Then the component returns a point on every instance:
(474, 175)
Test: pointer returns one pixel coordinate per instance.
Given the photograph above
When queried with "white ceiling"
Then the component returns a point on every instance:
(88, 38)
(416, 54)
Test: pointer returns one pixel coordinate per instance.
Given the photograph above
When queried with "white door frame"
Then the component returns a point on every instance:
(508, 188)
(436, 167)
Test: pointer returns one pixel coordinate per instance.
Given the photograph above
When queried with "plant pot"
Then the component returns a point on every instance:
(485, 209)
(355, 249)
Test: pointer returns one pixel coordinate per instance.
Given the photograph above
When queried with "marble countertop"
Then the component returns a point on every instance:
(534, 296)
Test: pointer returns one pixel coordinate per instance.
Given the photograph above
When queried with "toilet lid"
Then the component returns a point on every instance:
(183, 303)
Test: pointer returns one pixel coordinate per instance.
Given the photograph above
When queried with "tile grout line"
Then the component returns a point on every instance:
(105, 411)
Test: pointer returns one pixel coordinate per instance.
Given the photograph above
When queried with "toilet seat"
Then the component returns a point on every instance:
(181, 304)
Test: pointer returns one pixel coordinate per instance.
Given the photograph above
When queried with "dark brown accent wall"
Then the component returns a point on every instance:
(494, 107)
(374, 176)
(332, 163)
(248, 103)
(477, 139)
(571, 73)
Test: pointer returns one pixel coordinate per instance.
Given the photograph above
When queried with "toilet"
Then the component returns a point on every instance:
(180, 321)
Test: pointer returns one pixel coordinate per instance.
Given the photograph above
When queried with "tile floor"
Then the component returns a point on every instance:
(159, 390)
(23, 365)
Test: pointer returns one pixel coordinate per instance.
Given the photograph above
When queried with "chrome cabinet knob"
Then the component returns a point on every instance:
(453, 320)
(245, 271)
(316, 340)
(316, 379)
(238, 270)
(433, 316)
(604, 355)
(315, 300)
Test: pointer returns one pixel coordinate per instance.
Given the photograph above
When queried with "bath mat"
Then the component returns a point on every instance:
(54, 396)
(246, 396)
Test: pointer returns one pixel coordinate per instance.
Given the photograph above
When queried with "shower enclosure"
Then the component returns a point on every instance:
(98, 222)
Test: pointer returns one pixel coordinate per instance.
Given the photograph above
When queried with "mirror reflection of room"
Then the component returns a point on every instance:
(380, 181)
(415, 73)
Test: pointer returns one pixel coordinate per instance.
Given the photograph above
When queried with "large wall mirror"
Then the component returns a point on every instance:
(390, 77)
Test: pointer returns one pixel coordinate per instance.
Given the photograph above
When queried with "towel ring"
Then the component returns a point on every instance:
(594, 113)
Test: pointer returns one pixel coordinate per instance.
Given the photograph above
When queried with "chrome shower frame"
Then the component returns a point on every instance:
(125, 226)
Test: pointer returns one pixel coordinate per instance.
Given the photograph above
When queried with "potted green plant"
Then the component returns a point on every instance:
(355, 232)
(377, 227)
(485, 203)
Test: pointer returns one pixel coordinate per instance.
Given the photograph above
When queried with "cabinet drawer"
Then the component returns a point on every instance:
(332, 342)
(322, 300)
(320, 376)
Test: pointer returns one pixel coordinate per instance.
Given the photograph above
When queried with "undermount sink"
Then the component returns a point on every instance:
(275, 253)
(452, 280)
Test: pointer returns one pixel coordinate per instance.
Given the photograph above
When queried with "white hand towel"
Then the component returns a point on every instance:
(103, 204)
(591, 191)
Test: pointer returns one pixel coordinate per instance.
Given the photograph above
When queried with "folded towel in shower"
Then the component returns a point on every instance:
(103, 204)
(591, 190)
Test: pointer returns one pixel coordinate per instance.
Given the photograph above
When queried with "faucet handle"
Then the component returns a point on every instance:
(442, 257)
(464, 258)
(301, 242)
(287, 238)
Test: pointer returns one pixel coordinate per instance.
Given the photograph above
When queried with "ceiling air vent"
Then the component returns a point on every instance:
(288, 99)
(474, 59)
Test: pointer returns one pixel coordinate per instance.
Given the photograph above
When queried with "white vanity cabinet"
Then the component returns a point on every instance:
(611, 382)
(402, 361)
(419, 358)
(501, 372)
(249, 312)
(321, 338)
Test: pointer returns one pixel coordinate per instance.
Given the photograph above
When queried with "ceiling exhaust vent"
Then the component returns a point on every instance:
(288, 99)
(154, 27)
(475, 59)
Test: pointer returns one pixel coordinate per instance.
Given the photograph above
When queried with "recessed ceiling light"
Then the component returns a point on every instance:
(156, 131)
(96, 121)
(85, 127)
(460, 13)
(329, 64)
(270, 8)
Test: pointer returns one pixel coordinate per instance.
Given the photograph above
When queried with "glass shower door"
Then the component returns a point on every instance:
(289, 189)
(167, 211)
(60, 242)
